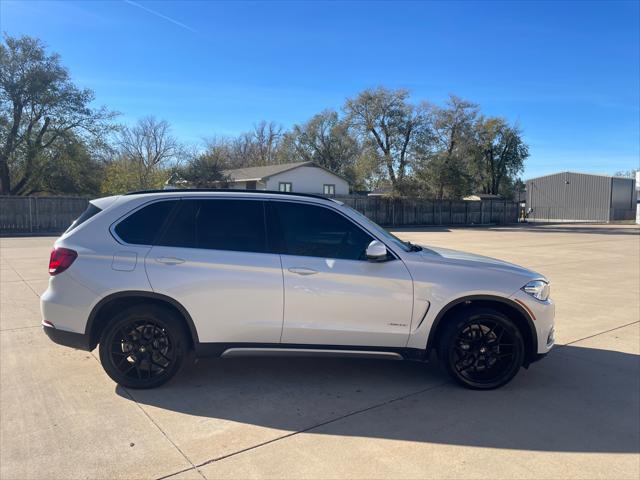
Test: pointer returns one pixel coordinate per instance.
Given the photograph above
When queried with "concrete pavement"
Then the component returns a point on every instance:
(576, 414)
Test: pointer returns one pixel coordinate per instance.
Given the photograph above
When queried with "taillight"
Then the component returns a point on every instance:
(61, 259)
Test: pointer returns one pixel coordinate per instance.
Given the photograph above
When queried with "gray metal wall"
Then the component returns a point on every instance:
(623, 198)
(577, 197)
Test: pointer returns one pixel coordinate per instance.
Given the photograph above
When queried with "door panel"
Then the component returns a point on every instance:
(213, 259)
(333, 295)
(231, 296)
(346, 302)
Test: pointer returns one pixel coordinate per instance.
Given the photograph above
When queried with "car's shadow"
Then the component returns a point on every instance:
(575, 400)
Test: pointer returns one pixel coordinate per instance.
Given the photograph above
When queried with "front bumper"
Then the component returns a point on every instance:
(68, 339)
(542, 317)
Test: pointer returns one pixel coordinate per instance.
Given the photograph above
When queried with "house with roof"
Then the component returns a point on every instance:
(301, 177)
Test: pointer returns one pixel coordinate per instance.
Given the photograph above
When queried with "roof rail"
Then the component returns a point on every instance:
(232, 190)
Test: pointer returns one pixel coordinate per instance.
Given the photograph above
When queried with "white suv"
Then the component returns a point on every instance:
(152, 276)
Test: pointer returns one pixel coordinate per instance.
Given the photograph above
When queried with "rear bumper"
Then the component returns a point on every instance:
(68, 339)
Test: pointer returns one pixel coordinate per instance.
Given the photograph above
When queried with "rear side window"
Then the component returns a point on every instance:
(86, 215)
(143, 226)
(236, 225)
(314, 231)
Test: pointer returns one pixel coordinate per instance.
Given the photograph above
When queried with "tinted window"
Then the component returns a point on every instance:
(86, 215)
(314, 231)
(142, 227)
(236, 225)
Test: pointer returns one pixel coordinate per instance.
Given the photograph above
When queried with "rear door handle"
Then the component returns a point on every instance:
(303, 270)
(169, 260)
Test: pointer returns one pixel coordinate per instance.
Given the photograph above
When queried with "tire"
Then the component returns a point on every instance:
(481, 348)
(143, 346)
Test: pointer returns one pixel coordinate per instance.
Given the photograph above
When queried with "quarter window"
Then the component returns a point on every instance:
(329, 189)
(284, 186)
(91, 211)
(314, 231)
(236, 225)
(142, 227)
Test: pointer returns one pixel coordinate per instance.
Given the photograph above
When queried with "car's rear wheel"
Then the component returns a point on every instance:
(481, 348)
(143, 346)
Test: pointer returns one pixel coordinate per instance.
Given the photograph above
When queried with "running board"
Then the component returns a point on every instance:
(308, 352)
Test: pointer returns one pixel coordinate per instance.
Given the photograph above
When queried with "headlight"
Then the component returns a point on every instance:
(538, 289)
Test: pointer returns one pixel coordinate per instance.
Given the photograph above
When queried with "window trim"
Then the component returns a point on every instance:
(76, 223)
(332, 185)
(280, 184)
(272, 248)
(278, 245)
(123, 217)
(267, 244)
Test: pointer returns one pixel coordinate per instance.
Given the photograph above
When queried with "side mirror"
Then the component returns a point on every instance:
(377, 251)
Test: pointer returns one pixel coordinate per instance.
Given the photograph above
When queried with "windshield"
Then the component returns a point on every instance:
(384, 234)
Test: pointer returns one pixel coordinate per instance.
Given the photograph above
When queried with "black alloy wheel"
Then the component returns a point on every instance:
(482, 349)
(143, 347)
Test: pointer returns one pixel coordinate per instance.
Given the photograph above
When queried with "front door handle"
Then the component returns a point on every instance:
(169, 260)
(303, 270)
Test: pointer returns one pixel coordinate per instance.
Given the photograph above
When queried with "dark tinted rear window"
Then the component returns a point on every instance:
(86, 215)
(142, 227)
(236, 225)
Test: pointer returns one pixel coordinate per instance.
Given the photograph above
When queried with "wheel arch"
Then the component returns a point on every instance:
(109, 305)
(505, 305)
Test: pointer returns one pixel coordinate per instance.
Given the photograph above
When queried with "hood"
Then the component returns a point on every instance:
(473, 260)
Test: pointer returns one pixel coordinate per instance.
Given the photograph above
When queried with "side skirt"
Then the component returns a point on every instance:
(286, 349)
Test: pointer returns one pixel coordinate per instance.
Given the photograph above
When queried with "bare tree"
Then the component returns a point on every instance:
(148, 146)
(266, 138)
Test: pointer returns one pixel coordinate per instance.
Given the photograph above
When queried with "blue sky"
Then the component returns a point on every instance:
(569, 73)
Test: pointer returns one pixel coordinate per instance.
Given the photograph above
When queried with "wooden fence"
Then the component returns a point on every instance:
(401, 212)
(52, 215)
(39, 215)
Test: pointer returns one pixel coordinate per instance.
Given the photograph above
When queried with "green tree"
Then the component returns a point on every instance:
(72, 169)
(500, 155)
(446, 153)
(327, 141)
(390, 125)
(41, 112)
(206, 169)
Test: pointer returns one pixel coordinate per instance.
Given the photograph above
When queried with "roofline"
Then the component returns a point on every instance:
(310, 163)
(578, 173)
(228, 190)
(297, 165)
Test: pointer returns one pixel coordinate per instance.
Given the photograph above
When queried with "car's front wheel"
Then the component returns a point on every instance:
(143, 346)
(481, 348)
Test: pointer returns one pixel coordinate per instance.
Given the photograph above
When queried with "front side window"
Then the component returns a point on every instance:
(371, 225)
(216, 224)
(314, 231)
(142, 227)
(329, 189)
(284, 186)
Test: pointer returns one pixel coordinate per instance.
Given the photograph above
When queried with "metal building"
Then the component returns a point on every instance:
(580, 197)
